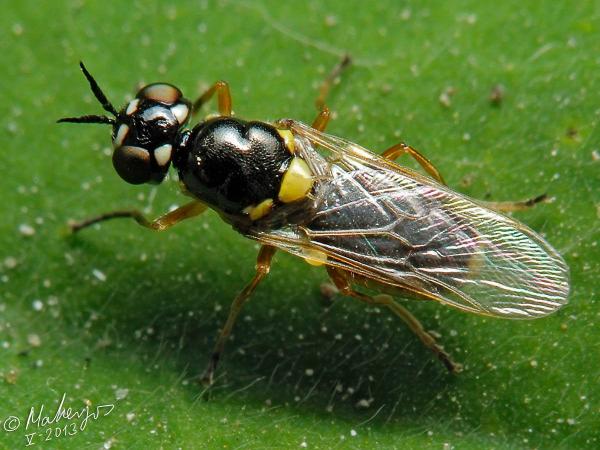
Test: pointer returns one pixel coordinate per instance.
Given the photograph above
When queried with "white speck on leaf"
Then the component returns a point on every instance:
(364, 403)
(34, 340)
(17, 29)
(99, 275)
(10, 262)
(121, 393)
(26, 229)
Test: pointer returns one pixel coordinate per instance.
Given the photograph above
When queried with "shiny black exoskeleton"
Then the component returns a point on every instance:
(145, 132)
(231, 163)
(228, 163)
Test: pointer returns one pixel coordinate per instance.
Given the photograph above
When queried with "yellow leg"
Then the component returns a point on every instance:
(328, 82)
(165, 221)
(223, 98)
(322, 119)
(263, 265)
(342, 280)
(401, 149)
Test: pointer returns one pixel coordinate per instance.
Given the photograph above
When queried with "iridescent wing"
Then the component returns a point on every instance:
(401, 229)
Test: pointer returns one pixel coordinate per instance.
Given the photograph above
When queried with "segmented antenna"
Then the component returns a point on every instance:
(98, 92)
(107, 105)
(92, 118)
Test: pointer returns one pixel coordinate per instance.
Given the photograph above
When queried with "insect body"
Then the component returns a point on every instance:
(369, 221)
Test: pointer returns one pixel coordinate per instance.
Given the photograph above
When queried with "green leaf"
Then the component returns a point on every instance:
(123, 316)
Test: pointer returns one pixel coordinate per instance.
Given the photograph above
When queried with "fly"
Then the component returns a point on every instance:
(373, 224)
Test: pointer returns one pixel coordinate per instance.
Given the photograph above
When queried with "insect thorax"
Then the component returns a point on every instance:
(232, 164)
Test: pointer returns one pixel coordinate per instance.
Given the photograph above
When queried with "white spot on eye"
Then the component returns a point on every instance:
(132, 107)
(163, 154)
(180, 112)
(157, 113)
(121, 134)
(160, 92)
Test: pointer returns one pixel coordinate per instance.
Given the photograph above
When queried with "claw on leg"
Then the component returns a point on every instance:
(342, 280)
(263, 265)
(191, 209)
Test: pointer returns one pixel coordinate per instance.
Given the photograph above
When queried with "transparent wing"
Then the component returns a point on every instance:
(396, 227)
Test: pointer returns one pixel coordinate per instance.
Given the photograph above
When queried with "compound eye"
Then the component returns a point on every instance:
(161, 92)
(132, 164)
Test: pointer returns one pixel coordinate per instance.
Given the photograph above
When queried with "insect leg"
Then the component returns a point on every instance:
(400, 149)
(263, 265)
(342, 280)
(330, 79)
(191, 209)
(320, 123)
(513, 206)
(223, 98)
(416, 327)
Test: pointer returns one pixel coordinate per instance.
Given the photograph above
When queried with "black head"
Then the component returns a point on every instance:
(144, 131)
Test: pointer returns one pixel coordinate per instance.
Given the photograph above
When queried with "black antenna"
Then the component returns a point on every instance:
(100, 97)
(98, 92)
(88, 119)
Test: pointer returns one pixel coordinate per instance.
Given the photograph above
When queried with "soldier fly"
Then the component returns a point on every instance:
(369, 221)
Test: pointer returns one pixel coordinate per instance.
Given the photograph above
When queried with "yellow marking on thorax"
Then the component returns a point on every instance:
(262, 209)
(296, 182)
(288, 139)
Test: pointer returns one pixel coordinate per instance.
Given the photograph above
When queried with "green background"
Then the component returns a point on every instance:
(120, 315)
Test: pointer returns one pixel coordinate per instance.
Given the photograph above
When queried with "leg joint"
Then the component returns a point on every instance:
(262, 269)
